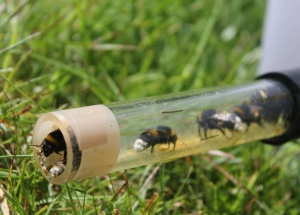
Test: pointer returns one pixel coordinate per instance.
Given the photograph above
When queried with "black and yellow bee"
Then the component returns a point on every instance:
(273, 103)
(249, 113)
(54, 142)
(151, 137)
(220, 120)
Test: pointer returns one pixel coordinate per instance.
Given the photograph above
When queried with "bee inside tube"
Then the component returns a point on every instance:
(95, 140)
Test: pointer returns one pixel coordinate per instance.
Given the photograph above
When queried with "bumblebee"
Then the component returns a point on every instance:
(54, 142)
(249, 113)
(151, 137)
(57, 169)
(220, 120)
(272, 102)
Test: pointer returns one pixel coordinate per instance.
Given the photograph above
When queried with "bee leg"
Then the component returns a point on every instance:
(205, 132)
(57, 152)
(215, 125)
(260, 123)
(248, 126)
(152, 148)
(199, 130)
(223, 132)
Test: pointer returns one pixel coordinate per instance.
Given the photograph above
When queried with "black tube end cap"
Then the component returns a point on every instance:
(291, 80)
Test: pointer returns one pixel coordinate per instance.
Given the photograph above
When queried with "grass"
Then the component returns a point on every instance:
(57, 55)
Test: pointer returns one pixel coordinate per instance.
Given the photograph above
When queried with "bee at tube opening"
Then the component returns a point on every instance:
(53, 143)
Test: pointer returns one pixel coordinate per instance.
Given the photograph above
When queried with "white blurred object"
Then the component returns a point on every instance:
(281, 36)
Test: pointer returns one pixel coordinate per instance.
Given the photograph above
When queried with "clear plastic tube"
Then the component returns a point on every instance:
(125, 135)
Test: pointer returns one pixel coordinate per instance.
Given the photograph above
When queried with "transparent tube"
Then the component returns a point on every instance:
(141, 132)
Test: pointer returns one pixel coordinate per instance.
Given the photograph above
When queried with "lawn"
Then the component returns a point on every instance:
(58, 55)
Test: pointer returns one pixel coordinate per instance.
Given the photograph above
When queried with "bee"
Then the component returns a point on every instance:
(54, 142)
(57, 169)
(54, 170)
(273, 103)
(220, 120)
(249, 114)
(151, 137)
